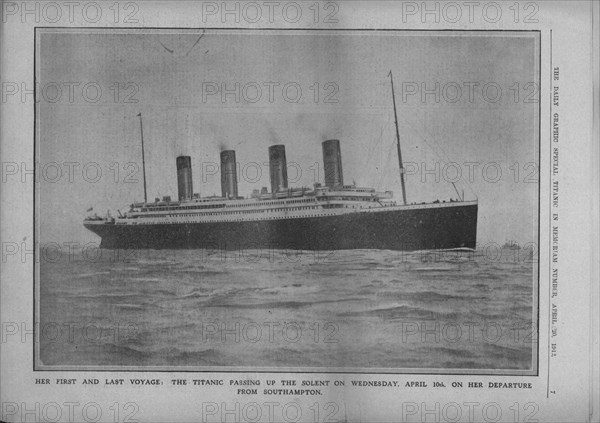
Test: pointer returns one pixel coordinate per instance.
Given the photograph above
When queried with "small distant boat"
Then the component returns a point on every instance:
(511, 245)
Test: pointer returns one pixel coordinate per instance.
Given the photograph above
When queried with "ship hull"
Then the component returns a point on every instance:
(397, 229)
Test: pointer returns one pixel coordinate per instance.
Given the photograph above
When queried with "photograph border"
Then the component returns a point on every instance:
(534, 371)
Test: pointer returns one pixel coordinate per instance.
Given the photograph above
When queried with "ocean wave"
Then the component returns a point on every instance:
(367, 293)
(406, 312)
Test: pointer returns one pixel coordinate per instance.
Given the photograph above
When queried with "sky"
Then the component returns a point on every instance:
(175, 80)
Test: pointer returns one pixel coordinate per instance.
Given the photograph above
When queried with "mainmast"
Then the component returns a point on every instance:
(398, 141)
(143, 157)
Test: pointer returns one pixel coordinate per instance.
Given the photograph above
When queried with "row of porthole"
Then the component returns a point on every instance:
(271, 218)
(231, 220)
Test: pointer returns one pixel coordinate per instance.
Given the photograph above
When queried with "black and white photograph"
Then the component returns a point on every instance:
(361, 201)
(299, 212)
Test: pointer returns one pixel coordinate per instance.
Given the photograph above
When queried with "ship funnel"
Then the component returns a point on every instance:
(229, 187)
(278, 168)
(332, 163)
(184, 177)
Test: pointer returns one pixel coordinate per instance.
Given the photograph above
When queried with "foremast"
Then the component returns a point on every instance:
(143, 157)
(398, 141)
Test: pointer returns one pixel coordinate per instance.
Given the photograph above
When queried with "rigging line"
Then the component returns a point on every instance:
(447, 159)
(457, 193)
(377, 142)
(388, 155)
(420, 135)
(385, 167)
(197, 41)
(165, 47)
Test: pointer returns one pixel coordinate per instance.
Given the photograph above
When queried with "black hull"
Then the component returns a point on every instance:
(406, 230)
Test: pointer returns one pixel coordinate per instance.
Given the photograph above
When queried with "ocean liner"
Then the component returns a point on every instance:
(332, 216)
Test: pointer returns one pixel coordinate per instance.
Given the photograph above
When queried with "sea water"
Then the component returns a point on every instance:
(358, 309)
